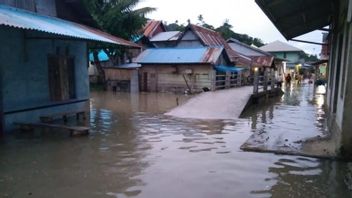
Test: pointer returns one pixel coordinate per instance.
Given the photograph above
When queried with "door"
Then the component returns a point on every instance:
(61, 78)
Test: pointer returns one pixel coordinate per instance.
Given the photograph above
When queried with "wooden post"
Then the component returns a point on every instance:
(2, 123)
(213, 80)
(239, 79)
(273, 80)
(228, 80)
(256, 81)
(265, 80)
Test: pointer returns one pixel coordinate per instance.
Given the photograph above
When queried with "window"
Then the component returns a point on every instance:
(61, 77)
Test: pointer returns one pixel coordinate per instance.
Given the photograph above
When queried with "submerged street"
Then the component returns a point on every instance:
(134, 150)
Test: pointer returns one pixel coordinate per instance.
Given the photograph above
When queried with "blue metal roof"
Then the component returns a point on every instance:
(102, 56)
(179, 55)
(223, 68)
(18, 18)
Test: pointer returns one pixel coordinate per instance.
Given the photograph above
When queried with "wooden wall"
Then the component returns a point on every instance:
(171, 78)
(46, 7)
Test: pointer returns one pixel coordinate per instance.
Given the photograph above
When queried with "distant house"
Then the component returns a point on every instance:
(179, 69)
(44, 60)
(197, 36)
(282, 50)
(191, 62)
(261, 58)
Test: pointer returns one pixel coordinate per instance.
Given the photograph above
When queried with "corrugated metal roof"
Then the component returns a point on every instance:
(150, 29)
(294, 18)
(180, 55)
(259, 57)
(263, 60)
(166, 36)
(246, 49)
(278, 46)
(211, 38)
(23, 19)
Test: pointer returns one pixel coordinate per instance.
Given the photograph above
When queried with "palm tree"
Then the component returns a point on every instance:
(119, 18)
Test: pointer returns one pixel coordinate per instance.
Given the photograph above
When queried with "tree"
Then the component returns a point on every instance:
(203, 23)
(226, 31)
(175, 26)
(119, 18)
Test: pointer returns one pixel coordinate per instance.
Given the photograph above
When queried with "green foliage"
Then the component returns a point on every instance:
(118, 17)
(226, 31)
(310, 57)
(175, 26)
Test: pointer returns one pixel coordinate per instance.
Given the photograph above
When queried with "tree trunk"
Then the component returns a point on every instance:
(101, 73)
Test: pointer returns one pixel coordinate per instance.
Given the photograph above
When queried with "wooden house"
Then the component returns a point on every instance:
(198, 36)
(179, 69)
(44, 59)
(261, 59)
(282, 50)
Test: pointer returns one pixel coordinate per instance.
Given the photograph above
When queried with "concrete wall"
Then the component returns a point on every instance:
(24, 68)
(169, 78)
(339, 96)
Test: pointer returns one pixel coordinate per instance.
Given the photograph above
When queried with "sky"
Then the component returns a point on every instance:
(244, 15)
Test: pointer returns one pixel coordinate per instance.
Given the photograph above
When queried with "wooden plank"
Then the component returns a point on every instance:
(64, 115)
(72, 129)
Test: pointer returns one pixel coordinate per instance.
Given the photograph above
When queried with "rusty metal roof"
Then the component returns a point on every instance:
(259, 57)
(205, 55)
(152, 28)
(212, 38)
(18, 18)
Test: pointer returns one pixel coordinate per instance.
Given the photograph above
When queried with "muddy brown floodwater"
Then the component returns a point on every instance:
(136, 151)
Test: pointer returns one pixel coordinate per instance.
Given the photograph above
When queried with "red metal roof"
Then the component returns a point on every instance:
(262, 60)
(212, 38)
(117, 40)
(152, 28)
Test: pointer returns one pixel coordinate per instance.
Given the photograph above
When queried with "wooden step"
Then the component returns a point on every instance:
(63, 115)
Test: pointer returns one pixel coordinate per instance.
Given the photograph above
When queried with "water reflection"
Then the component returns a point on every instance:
(136, 151)
(283, 123)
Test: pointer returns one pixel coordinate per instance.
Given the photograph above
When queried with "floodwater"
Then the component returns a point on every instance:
(134, 150)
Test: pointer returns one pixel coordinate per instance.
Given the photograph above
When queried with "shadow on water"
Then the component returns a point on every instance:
(136, 151)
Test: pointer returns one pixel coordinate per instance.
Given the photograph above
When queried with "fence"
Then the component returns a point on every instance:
(264, 83)
(213, 81)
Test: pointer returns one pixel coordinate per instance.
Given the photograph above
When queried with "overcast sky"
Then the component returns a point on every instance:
(245, 16)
